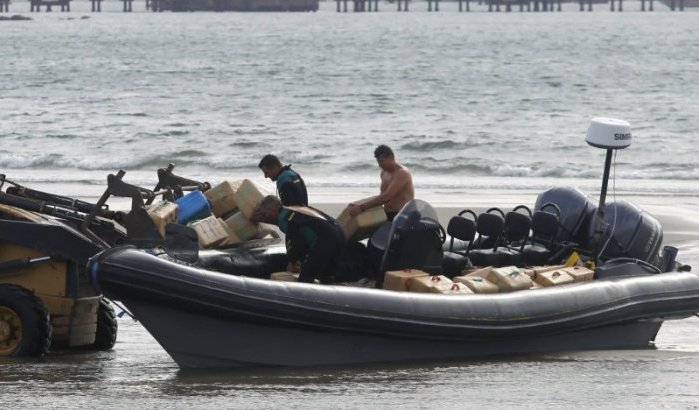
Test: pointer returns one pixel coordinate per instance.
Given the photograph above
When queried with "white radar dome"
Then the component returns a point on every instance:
(608, 133)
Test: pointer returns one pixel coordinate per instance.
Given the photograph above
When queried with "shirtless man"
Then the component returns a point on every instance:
(396, 185)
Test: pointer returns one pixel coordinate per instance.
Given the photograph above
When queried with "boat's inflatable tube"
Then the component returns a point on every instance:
(127, 273)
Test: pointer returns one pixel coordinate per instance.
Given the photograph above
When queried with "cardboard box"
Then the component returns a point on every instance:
(162, 213)
(211, 231)
(248, 196)
(242, 228)
(580, 273)
(401, 280)
(222, 197)
(285, 276)
(231, 240)
(554, 277)
(477, 272)
(477, 284)
(363, 225)
(455, 289)
(509, 278)
(431, 284)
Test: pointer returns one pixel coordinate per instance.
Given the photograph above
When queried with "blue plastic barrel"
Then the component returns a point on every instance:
(192, 206)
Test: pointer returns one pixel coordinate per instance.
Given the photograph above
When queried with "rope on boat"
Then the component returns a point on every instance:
(124, 311)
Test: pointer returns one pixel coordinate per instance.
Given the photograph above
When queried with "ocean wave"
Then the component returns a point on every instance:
(61, 136)
(422, 146)
(174, 133)
(130, 114)
(247, 144)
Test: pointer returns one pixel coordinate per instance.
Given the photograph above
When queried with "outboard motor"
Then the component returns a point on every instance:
(577, 210)
(634, 233)
(413, 241)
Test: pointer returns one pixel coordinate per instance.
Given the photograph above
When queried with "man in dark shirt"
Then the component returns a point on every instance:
(290, 185)
(312, 238)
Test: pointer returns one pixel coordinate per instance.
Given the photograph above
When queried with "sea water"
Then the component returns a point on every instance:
(484, 108)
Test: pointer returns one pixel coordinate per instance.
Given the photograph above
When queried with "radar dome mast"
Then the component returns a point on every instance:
(610, 134)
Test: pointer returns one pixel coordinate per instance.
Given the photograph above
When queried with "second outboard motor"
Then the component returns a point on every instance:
(634, 233)
(577, 210)
(413, 241)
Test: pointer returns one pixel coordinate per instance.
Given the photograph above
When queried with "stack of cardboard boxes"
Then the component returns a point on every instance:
(486, 280)
(221, 218)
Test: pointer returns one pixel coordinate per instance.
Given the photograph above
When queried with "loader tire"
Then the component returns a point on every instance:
(107, 326)
(25, 326)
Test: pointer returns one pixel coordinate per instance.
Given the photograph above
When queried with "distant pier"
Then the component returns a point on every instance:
(507, 5)
(35, 5)
(357, 6)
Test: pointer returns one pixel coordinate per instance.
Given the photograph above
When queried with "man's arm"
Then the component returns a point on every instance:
(400, 179)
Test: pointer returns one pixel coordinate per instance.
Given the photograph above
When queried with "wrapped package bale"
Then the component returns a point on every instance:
(533, 270)
(455, 289)
(529, 272)
(536, 286)
(477, 272)
(285, 276)
(192, 206)
(242, 228)
(162, 213)
(222, 197)
(211, 231)
(401, 280)
(547, 268)
(248, 196)
(430, 284)
(288, 277)
(477, 284)
(580, 273)
(553, 277)
(363, 225)
(509, 278)
(268, 230)
(231, 240)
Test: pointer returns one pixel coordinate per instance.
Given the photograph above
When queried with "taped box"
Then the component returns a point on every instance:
(477, 284)
(431, 284)
(401, 280)
(211, 231)
(242, 228)
(231, 240)
(509, 278)
(580, 273)
(363, 225)
(285, 276)
(162, 213)
(477, 272)
(554, 277)
(248, 196)
(222, 197)
(456, 289)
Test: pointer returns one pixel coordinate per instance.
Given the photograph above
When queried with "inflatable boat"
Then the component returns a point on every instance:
(218, 308)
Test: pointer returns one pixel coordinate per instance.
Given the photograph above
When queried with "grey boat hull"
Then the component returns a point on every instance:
(206, 319)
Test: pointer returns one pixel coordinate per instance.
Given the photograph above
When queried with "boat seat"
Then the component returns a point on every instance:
(464, 230)
(539, 247)
(457, 244)
(516, 231)
(490, 228)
